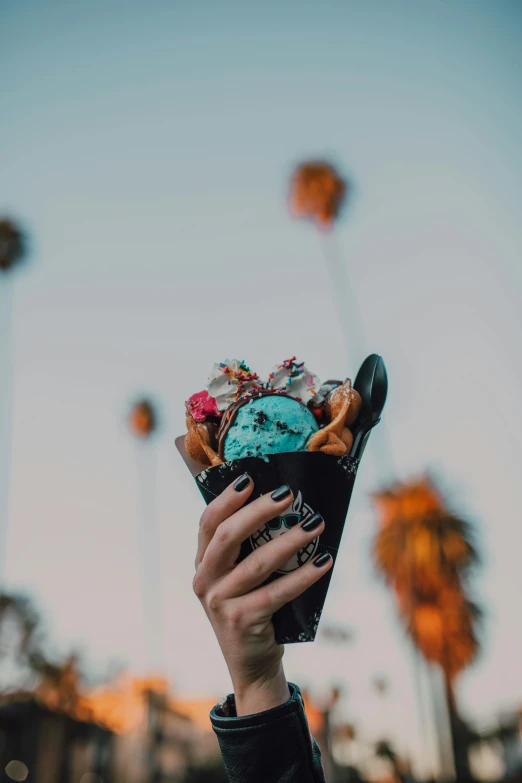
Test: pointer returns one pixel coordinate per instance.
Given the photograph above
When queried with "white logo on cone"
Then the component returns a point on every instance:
(294, 515)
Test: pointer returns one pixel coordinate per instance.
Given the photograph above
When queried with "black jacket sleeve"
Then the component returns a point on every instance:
(269, 747)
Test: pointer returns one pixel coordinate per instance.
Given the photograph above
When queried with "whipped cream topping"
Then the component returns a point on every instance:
(296, 380)
(229, 380)
(232, 380)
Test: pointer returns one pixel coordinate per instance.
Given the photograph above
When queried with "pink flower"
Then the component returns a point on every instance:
(201, 405)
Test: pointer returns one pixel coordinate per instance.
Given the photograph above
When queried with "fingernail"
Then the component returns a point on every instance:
(281, 493)
(242, 482)
(322, 559)
(312, 523)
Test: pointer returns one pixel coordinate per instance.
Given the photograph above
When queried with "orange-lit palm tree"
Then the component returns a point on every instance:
(420, 541)
(424, 552)
(319, 193)
(444, 629)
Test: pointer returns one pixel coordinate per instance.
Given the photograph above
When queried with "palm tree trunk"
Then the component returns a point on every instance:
(458, 733)
(442, 723)
(348, 312)
(422, 706)
(150, 552)
(6, 405)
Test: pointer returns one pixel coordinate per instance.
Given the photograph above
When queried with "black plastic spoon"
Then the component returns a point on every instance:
(372, 384)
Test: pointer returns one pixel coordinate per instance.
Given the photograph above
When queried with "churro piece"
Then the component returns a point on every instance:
(197, 443)
(335, 438)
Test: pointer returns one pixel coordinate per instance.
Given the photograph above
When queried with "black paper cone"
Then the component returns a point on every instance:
(320, 483)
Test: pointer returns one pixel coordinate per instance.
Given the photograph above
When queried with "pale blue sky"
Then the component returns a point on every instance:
(147, 148)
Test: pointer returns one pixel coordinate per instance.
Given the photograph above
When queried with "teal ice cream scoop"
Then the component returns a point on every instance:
(271, 424)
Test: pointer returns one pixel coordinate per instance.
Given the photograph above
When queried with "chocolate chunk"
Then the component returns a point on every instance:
(261, 418)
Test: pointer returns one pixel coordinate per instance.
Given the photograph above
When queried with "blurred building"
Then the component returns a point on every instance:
(157, 736)
(41, 745)
(128, 732)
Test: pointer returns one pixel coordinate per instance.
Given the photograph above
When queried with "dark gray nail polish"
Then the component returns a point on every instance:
(281, 493)
(312, 523)
(242, 482)
(322, 559)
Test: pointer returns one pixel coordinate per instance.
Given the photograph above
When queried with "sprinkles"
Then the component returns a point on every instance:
(295, 379)
(232, 380)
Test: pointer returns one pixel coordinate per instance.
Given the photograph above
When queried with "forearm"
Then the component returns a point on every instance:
(263, 735)
(263, 695)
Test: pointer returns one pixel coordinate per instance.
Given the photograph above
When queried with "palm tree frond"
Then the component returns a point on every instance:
(423, 552)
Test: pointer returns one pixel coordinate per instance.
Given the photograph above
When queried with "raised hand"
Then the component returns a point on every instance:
(237, 602)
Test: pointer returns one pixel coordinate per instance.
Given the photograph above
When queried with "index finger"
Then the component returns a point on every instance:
(222, 507)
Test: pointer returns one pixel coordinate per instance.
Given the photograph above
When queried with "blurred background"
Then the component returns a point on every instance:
(149, 154)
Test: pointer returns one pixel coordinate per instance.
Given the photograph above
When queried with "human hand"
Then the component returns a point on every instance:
(237, 603)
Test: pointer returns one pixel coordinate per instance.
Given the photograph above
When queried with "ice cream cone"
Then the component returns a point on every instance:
(320, 483)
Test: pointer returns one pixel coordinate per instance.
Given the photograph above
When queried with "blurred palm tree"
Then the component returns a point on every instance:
(420, 542)
(424, 552)
(20, 630)
(144, 425)
(318, 193)
(444, 631)
(54, 681)
(12, 245)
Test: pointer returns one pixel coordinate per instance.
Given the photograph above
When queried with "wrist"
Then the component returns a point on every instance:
(261, 695)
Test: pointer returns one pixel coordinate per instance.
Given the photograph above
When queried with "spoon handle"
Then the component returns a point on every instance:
(361, 438)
